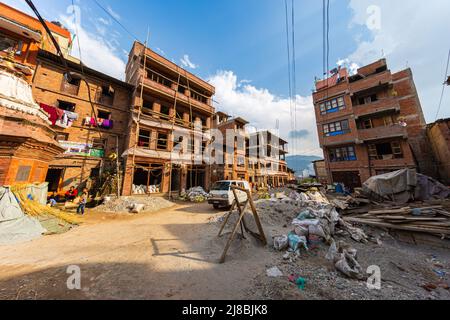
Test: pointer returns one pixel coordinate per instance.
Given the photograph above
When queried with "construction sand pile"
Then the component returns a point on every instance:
(133, 204)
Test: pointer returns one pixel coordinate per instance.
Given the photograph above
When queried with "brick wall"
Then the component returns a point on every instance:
(47, 89)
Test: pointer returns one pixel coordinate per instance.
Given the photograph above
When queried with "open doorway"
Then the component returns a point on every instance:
(175, 179)
(195, 177)
(54, 177)
(148, 177)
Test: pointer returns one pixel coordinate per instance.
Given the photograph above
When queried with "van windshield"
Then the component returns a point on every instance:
(221, 186)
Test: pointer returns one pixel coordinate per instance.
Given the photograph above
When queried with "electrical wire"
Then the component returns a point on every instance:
(443, 87)
(294, 71)
(117, 21)
(49, 33)
(289, 65)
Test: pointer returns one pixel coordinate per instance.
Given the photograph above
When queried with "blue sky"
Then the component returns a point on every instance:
(240, 46)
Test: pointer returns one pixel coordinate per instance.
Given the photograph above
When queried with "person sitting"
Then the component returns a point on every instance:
(53, 200)
(71, 194)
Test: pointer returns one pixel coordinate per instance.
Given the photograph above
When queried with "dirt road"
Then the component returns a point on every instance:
(169, 254)
(173, 254)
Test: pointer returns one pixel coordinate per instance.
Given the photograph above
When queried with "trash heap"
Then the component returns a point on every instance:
(315, 220)
(196, 194)
(402, 200)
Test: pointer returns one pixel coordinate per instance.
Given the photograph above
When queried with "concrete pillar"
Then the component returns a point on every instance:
(186, 117)
(153, 139)
(128, 177)
(208, 122)
(172, 114)
(165, 183)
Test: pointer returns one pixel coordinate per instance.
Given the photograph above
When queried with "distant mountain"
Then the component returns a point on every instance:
(300, 163)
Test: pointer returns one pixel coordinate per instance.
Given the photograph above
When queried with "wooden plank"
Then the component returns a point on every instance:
(399, 227)
(411, 218)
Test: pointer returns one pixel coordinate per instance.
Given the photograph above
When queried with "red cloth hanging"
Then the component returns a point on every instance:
(54, 113)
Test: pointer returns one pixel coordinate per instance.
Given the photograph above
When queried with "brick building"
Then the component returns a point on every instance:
(167, 100)
(371, 123)
(87, 134)
(266, 154)
(232, 149)
(25, 35)
(27, 141)
(439, 137)
(320, 171)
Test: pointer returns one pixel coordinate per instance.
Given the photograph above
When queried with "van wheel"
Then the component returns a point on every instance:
(216, 206)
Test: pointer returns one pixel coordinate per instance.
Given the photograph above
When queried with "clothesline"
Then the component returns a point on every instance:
(59, 117)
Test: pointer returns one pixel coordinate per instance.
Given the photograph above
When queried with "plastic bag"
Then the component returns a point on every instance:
(280, 243)
(295, 241)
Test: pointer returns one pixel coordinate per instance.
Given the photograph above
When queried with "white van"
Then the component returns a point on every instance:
(222, 195)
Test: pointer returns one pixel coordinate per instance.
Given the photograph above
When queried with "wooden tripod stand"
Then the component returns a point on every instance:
(242, 207)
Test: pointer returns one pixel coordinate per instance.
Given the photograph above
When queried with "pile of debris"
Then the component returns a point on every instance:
(142, 189)
(383, 203)
(196, 194)
(432, 220)
(133, 204)
(313, 219)
(403, 186)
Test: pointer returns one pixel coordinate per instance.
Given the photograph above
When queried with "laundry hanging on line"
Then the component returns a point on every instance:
(102, 123)
(59, 117)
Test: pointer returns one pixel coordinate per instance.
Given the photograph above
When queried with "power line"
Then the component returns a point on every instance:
(49, 33)
(289, 64)
(294, 72)
(443, 86)
(117, 21)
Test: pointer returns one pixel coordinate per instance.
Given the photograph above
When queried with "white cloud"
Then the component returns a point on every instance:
(411, 33)
(113, 13)
(262, 109)
(106, 22)
(160, 51)
(97, 52)
(187, 63)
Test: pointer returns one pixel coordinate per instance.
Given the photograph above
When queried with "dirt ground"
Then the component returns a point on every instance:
(174, 253)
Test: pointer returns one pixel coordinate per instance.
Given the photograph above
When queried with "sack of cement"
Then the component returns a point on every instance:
(137, 207)
(280, 243)
(305, 223)
(302, 231)
(196, 194)
(316, 230)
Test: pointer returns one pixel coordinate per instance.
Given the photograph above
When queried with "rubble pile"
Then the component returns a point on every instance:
(312, 219)
(196, 194)
(133, 204)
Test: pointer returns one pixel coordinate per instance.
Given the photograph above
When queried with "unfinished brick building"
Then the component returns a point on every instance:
(371, 123)
(235, 161)
(439, 137)
(87, 134)
(167, 99)
(266, 154)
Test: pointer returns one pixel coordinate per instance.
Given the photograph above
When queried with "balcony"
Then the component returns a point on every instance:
(378, 133)
(371, 81)
(69, 88)
(169, 92)
(377, 107)
(348, 137)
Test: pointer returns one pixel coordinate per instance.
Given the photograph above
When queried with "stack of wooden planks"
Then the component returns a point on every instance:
(432, 219)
